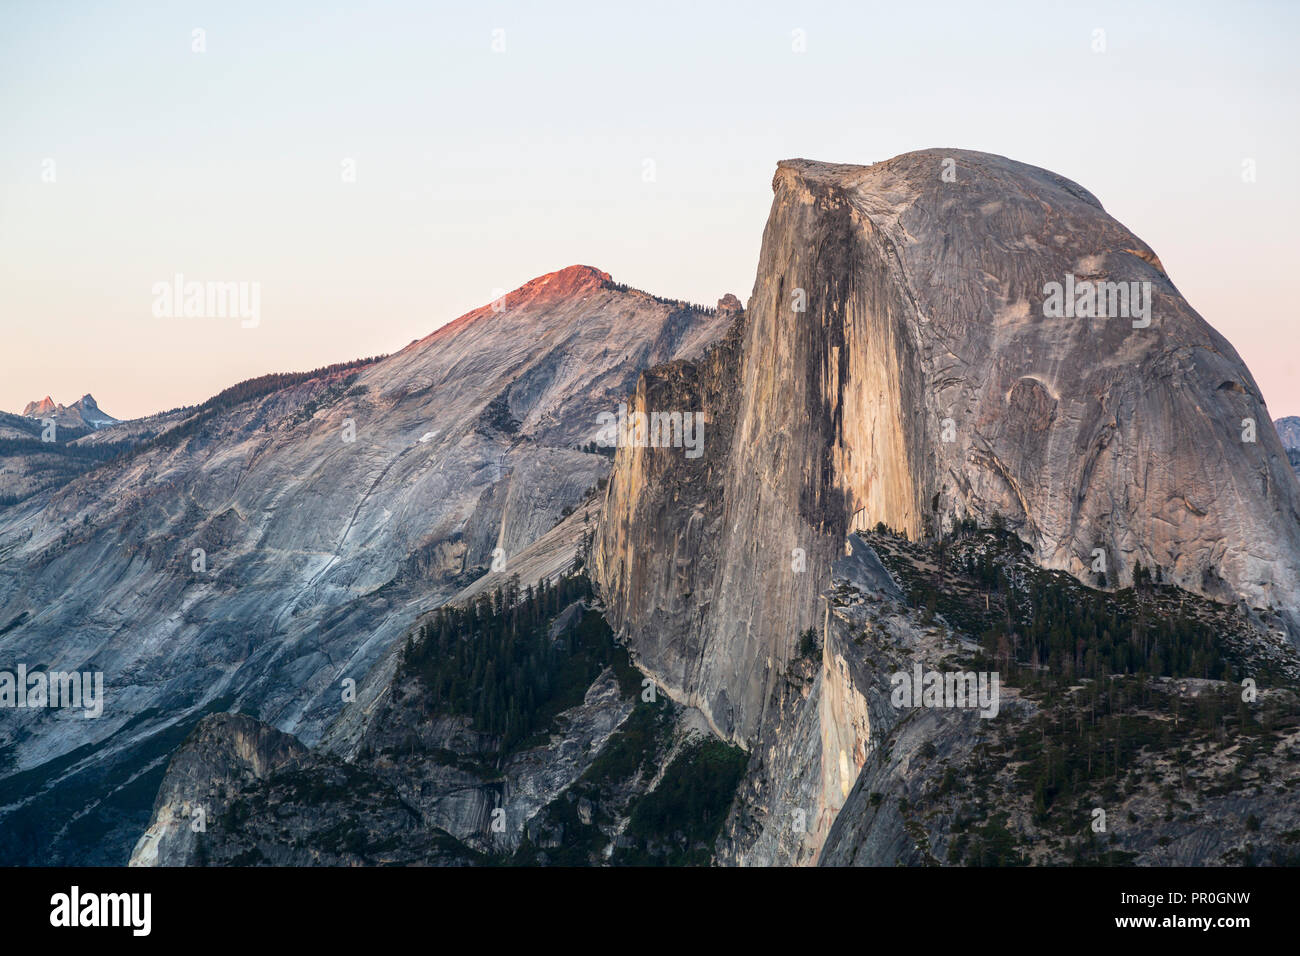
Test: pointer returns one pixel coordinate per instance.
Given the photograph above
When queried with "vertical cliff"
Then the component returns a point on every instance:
(898, 363)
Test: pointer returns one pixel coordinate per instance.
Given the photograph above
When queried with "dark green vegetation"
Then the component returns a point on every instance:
(53, 463)
(809, 649)
(683, 308)
(495, 661)
(250, 390)
(1136, 707)
(596, 448)
(511, 662)
(1044, 629)
(1161, 764)
(497, 416)
(677, 823)
(263, 385)
(611, 816)
(575, 828)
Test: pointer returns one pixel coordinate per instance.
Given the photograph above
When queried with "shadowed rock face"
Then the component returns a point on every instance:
(920, 384)
(319, 551)
(271, 800)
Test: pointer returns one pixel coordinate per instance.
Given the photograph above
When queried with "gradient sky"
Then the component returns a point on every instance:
(478, 170)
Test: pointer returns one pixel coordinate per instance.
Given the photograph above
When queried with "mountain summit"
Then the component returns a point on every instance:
(37, 409)
(903, 363)
(83, 413)
(329, 513)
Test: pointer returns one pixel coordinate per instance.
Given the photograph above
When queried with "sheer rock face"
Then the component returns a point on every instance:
(318, 551)
(831, 717)
(896, 364)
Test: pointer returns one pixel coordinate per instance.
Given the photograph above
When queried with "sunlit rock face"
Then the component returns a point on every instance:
(329, 514)
(900, 361)
(831, 712)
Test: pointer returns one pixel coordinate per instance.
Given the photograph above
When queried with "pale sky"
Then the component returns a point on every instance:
(476, 170)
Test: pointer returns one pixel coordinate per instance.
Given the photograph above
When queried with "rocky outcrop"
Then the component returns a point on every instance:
(1288, 429)
(844, 773)
(240, 793)
(548, 558)
(897, 363)
(37, 409)
(658, 541)
(225, 753)
(49, 445)
(398, 779)
(900, 365)
(416, 789)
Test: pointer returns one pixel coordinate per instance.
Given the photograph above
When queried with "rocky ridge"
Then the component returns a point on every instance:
(256, 551)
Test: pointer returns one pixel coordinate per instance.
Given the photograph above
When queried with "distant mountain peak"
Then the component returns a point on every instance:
(84, 412)
(43, 407)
